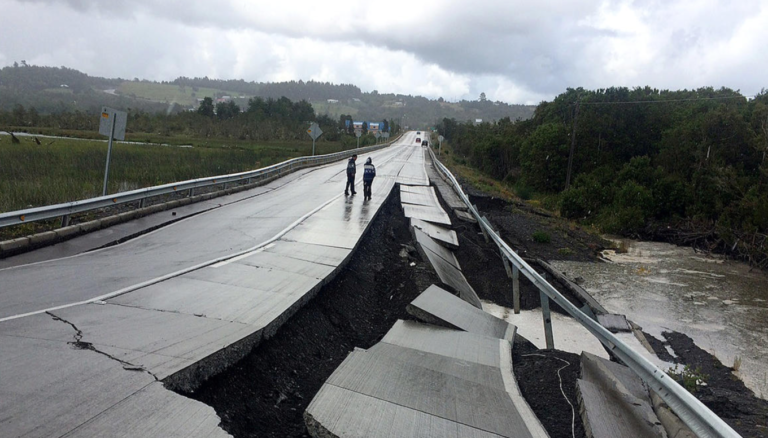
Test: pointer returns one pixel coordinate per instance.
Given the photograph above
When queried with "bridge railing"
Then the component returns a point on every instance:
(65, 210)
(700, 419)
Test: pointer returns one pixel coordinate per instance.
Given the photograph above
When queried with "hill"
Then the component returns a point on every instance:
(60, 89)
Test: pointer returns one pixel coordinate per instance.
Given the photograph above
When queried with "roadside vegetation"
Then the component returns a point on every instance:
(217, 139)
(683, 166)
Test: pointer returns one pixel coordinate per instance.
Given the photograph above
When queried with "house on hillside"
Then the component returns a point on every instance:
(333, 101)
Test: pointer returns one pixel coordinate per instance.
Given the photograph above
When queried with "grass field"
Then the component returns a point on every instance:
(168, 92)
(333, 110)
(67, 170)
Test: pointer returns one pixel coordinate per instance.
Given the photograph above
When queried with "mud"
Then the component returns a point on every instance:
(547, 380)
(722, 392)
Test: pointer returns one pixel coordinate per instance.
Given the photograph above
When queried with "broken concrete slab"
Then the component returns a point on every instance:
(613, 402)
(338, 412)
(614, 322)
(431, 376)
(465, 216)
(427, 243)
(453, 277)
(444, 342)
(439, 304)
(429, 214)
(443, 235)
(432, 392)
(425, 197)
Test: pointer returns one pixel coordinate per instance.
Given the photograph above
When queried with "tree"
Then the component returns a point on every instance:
(482, 97)
(206, 107)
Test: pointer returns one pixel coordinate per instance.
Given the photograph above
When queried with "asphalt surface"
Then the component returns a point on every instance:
(200, 239)
(92, 342)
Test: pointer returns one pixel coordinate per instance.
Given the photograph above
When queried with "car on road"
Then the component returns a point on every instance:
(425, 142)
(418, 132)
(418, 140)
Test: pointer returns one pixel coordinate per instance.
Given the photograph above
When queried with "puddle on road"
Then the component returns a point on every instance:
(720, 304)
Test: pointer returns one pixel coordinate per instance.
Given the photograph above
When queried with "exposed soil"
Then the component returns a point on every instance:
(724, 393)
(551, 395)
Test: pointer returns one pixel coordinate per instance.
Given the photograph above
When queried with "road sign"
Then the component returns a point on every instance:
(377, 134)
(314, 131)
(108, 116)
(358, 133)
(440, 138)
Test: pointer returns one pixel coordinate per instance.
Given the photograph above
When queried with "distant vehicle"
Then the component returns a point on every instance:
(418, 140)
(425, 143)
(418, 132)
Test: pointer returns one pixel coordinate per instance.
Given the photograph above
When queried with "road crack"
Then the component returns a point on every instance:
(79, 344)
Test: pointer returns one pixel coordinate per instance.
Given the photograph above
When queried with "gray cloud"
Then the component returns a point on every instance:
(513, 49)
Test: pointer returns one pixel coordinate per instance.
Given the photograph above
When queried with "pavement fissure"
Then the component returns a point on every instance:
(79, 344)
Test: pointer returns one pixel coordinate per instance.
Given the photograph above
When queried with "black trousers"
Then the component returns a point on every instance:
(367, 189)
(350, 184)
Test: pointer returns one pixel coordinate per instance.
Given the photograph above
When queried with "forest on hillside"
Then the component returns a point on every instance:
(685, 166)
(50, 90)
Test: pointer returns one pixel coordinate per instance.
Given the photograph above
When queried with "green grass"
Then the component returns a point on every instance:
(169, 93)
(34, 175)
(333, 110)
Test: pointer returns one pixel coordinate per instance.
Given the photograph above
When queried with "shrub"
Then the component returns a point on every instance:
(541, 237)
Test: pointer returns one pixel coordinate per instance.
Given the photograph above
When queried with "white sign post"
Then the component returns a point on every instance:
(314, 131)
(358, 133)
(377, 134)
(112, 124)
(440, 147)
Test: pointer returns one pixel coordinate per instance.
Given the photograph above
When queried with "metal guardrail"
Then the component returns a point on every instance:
(702, 421)
(65, 210)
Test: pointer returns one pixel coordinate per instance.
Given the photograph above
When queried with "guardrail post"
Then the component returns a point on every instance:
(547, 321)
(143, 203)
(65, 221)
(516, 289)
(506, 264)
(191, 192)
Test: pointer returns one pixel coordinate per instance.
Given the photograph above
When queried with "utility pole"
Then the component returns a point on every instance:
(573, 147)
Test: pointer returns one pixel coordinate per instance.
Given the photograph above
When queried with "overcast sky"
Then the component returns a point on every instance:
(514, 51)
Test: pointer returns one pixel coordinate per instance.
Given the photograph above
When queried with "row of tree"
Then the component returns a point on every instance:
(263, 120)
(644, 161)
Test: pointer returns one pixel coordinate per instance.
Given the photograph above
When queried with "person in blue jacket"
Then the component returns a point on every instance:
(369, 173)
(351, 170)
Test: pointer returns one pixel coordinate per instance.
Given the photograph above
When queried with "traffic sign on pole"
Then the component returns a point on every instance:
(358, 133)
(314, 131)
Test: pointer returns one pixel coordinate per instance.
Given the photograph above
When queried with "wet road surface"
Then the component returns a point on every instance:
(190, 242)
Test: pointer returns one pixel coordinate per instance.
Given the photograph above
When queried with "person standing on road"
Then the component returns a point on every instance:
(369, 173)
(351, 170)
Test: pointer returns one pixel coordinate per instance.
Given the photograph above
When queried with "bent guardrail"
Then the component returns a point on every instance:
(702, 421)
(65, 210)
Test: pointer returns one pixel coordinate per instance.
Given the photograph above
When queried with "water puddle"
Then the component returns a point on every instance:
(721, 304)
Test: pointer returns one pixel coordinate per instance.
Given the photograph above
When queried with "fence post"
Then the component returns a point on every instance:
(547, 321)
(143, 203)
(65, 221)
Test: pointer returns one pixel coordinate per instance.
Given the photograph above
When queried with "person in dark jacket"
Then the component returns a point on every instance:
(351, 170)
(369, 173)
